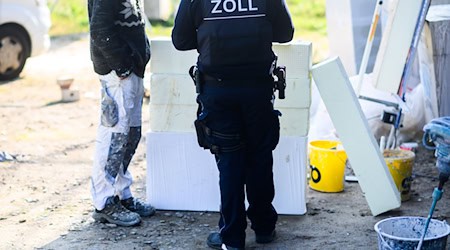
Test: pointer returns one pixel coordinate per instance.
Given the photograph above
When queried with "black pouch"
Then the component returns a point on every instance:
(201, 130)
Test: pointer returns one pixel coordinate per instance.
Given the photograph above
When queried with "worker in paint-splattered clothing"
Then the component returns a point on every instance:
(120, 52)
(236, 120)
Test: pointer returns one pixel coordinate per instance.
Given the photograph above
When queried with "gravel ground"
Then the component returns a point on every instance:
(45, 189)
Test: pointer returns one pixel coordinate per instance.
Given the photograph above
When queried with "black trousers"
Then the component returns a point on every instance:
(245, 128)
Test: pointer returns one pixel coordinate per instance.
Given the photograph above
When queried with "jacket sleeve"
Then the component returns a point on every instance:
(184, 33)
(105, 36)
(283, 29)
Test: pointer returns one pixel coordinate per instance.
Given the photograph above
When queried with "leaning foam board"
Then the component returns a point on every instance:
(354, 132)
(395, 44)
(296, 56)
(182, 176)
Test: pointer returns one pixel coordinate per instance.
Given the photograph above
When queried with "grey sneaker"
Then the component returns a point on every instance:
(137, 206)
(115, 213)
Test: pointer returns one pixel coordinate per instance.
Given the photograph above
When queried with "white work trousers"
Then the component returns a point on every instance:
(116, 143)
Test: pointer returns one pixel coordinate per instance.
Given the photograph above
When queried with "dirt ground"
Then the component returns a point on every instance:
(44, 191)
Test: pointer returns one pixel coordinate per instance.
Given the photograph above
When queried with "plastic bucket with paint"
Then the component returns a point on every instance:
(400, 164)
(327, 166)
(405, 233)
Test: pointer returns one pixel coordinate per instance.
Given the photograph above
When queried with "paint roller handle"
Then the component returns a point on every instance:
(443, 178)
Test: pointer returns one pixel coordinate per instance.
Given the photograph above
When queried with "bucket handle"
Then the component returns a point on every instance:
(384, 243)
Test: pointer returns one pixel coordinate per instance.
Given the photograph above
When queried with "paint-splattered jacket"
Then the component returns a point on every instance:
(118, 39)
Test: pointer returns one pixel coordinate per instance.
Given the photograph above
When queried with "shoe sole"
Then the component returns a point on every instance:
(151, 213)
(266, 239)
(214, 246)
(105, 219)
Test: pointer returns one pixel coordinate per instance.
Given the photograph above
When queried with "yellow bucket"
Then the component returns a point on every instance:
(326, 166)
(400, 164)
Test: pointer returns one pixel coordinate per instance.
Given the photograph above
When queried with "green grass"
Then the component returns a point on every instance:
(70, 16)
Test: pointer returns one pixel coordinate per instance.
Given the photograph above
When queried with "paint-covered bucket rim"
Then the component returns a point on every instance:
(377, 228)
(394, 154)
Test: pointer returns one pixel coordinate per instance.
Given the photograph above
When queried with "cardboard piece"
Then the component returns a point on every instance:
(354, 132)
(183, 176)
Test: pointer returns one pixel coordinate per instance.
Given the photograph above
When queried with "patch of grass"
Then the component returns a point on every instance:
(68, 17)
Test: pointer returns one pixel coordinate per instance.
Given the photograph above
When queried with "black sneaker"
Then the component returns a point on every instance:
(115, 213)
(137, 206)
(265, 238)
(214, 240)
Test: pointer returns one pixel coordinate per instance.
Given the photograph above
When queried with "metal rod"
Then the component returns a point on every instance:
(413, 48)
(387, 103)
(368, 48)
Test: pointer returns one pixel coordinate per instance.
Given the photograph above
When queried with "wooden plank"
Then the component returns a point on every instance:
(354, 132)
(439, 22)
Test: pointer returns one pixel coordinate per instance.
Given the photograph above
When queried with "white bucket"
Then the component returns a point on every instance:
(405, 233)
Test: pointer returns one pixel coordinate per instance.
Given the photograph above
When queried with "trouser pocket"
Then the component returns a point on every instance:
(201, 129)
(216, 141)
(109, 108)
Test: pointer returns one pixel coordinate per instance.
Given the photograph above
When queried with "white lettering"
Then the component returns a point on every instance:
(240, 6)
(230, 6)
(250, 6)
(216, 9)
(225, 6)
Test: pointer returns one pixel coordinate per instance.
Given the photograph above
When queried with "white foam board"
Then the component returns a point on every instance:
(180, 118)
(296, 56)
(172, 118)
(294, 121)
(362, 150)
(182, 176)
(395, 44)
(166, 59)
(180, 90)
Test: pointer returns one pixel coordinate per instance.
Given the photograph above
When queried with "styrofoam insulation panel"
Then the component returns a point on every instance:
(180, 90)
(395, 43)
(354, 132)
(180, 118)
(296, 56)
(182, 176)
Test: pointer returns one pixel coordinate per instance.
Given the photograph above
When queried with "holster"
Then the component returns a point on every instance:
(205, 135)
(196, 77)
(202, 133)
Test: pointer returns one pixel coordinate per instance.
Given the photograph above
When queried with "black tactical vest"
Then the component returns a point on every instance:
(235, 39)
